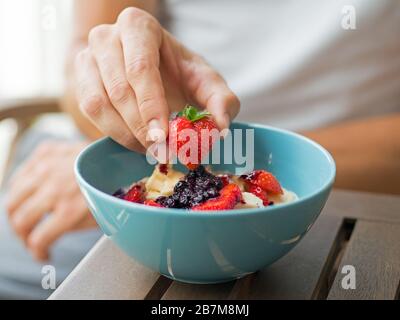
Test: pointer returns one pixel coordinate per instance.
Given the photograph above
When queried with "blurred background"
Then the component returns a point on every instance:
(33, 38)
(33, 41)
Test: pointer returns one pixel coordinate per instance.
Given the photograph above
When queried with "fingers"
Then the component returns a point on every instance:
(65, 217)
(211, 91)
(95, 103)
(33, 209)
(141, 38)
(111, 67)
(19, 192)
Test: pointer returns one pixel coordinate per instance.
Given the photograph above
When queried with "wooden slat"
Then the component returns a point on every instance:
(185, 291)
(363, 205)
(107, 273)
(242, 288)
(374, 251)
(297, 274)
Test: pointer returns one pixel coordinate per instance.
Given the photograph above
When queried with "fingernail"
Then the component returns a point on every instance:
(225, 133)
(156, 133)
(225, 121)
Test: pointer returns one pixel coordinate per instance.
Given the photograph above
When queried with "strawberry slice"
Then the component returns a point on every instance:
(152, 203)
(258, 192)
(198, 121)
(265, 180)
(135, 194)
(229, 197)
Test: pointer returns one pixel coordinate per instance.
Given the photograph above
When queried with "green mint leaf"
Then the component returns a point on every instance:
(193, 114)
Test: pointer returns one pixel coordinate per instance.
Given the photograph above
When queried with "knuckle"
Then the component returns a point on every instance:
(141, 131)
(131, 14)
(92, 105)
(35, 243)
(148, 107)
(138, 66)
(119, 92)
(19, 227)
(99, 32)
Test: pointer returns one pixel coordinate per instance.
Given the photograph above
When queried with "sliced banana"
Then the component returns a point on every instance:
(250, 201)
(161, 184)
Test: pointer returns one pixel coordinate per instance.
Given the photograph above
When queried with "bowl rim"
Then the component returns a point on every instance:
(224, 213)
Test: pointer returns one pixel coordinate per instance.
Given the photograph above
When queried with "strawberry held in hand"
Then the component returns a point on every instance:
(191, 136)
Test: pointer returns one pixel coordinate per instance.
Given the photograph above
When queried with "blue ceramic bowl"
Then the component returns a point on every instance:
(209, 247)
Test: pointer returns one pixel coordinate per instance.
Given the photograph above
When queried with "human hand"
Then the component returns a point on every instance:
(45, 184)
(133, 74)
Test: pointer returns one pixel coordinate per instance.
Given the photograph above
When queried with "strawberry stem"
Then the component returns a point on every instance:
(193, 114)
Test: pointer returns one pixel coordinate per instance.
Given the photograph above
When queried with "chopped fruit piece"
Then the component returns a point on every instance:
(161, 184)
(198, 121)
(258, 192)
(163, 168)
(249, 201)
(152, 203)
(135, 194)
(225, 179)
(229, 197)
(264, 180)
(197, 187)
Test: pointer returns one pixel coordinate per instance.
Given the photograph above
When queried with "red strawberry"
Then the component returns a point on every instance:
(179, 136)
(258, 192)
(227, 200)
(135, 194)
(152, 203)
(264, 180)
(225, 179)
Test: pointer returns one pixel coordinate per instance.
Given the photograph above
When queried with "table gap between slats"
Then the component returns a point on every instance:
(333, 260)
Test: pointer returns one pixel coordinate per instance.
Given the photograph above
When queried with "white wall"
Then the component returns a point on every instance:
(33, 39)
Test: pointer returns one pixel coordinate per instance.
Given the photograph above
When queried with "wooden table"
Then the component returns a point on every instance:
(357, 229)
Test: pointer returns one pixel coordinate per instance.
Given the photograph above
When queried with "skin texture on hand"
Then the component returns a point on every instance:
(133, 74)
(45, 185)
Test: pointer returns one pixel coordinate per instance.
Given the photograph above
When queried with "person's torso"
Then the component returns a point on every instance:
(291, 62)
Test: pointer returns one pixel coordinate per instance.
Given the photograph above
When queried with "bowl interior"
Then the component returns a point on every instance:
(299, 164)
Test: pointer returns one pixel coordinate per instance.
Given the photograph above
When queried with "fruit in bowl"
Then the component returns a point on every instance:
(209, 246)
(201, 190)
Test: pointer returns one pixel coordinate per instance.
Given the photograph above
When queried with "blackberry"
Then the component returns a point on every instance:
(198, 186)
(181, 185)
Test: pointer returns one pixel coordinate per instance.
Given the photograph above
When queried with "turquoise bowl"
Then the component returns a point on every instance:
(209, 247)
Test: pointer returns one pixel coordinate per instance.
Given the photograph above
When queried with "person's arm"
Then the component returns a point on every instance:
(367, 153)
(87, 15)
